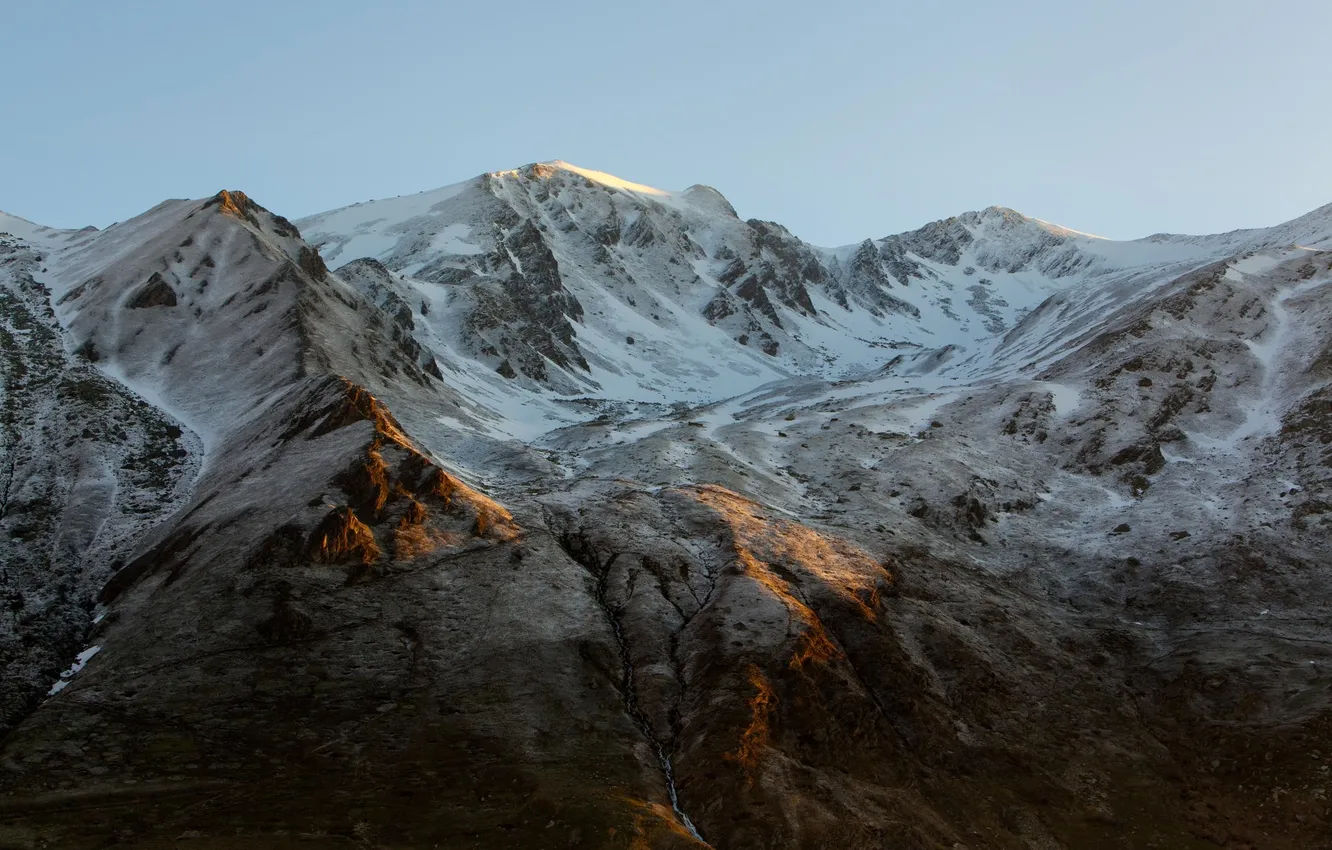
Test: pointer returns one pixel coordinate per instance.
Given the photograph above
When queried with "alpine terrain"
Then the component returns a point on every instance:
(553, 510)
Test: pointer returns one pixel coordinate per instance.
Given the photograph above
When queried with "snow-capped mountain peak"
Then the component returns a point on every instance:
(616, 263)
(558, 277)
(544, 170)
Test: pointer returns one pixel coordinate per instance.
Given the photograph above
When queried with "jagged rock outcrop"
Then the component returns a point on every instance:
(155, 292)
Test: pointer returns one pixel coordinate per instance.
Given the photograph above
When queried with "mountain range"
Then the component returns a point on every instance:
(549, 509)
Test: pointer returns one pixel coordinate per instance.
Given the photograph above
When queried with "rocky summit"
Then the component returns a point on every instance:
(554, 510)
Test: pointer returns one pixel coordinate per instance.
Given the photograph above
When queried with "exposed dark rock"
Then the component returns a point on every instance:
(155, 292)
(311, 263)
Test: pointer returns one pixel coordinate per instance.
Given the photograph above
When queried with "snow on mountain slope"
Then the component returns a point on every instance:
(550, 295)
(34, 234)
(209, 287)
(43, 237)
(563, 282)
(86, 469)
(511, 263)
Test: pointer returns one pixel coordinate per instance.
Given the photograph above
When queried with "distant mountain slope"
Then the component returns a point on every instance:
(559, 277)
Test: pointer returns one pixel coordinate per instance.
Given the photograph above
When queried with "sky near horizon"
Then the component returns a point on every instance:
(842, 120)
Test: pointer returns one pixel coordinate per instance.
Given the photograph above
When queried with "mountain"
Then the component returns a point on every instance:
(550, 509)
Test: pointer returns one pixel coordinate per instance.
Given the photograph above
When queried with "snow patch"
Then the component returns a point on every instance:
(1066, 398)
(80, 661)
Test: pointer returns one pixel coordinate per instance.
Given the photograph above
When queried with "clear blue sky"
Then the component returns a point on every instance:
(840, 119)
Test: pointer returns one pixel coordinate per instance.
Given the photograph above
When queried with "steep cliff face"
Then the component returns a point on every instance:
(498, 534)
